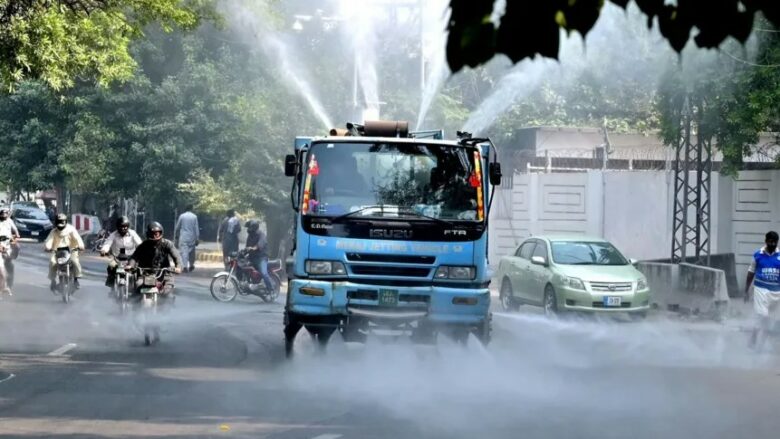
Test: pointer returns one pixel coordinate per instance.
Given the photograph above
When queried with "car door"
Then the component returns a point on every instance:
(510, 268)
(520, 281)
(539, 274)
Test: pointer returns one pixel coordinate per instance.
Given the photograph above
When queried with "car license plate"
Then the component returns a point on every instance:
(34, 233)
(612, 301)
(388, 297)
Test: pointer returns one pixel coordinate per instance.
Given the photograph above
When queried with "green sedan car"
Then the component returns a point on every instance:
(572, 273)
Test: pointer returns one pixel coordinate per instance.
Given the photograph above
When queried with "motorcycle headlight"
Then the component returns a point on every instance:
(325, 267)
(455, 272)
(62, 260)
(641, 284)
(573, 283)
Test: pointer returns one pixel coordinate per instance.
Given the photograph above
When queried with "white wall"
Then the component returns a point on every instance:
(633, 210)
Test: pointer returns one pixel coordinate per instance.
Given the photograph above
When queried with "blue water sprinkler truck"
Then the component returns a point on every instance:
(391, 234)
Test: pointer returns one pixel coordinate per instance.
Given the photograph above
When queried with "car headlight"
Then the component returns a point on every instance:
(21, 226)
(641, 284)
(325, 267)
(573, 283)
(455, 272)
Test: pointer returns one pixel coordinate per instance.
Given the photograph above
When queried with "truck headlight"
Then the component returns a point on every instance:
(455, 272)
(641, 284)
(325, 267)
(573, 283)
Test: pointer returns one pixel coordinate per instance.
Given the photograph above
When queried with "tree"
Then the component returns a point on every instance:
(533, 27)
(60, 41)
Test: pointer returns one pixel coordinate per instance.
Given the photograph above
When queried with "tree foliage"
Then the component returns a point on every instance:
(60, 41)
(530, 28)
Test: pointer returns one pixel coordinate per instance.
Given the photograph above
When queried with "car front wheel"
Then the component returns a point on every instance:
(507, 302)
(550, 301)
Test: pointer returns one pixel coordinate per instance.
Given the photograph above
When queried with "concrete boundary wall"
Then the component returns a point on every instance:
(687, 288)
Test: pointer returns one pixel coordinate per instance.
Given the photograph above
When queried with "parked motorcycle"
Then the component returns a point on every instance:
(5, 252)
(155, 286)
(65, 280)
(242, 278)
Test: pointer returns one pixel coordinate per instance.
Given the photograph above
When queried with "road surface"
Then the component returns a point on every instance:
(82, 371)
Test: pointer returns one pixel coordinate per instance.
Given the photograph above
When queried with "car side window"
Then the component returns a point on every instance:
(541, 250)
(527, 249)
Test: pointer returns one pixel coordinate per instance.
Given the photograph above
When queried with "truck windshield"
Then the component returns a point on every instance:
(392, 180)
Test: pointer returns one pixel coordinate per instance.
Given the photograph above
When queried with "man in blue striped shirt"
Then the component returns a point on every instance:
(764, 274)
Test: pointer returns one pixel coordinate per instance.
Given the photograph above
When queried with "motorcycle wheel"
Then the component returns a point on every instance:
(223, 288)
(64, 287)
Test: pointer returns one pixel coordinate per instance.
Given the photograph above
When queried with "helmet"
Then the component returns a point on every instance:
(122, 221)
(61, 221)
(152, 229)
(252, 225)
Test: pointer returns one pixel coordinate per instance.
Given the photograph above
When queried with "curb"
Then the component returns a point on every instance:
(208, 256)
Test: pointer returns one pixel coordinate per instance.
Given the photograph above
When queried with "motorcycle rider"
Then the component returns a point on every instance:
(122, 238)
(9, 230)
(156, 252)
(257, 253)
(64, 235)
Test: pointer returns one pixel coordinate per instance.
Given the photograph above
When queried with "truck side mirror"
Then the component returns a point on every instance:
(290, 162)
(494, 170)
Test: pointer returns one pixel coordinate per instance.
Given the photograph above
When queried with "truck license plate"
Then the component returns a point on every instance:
(612, 301)
(388, 297)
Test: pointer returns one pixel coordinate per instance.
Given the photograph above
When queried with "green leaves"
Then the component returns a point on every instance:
(58, 42)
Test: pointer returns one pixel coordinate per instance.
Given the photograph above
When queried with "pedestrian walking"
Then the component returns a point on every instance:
(186, 235)
(228, 234)
(764, 274)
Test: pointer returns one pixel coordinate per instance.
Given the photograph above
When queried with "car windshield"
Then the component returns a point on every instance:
(30, 214)
(586, 253)
(392, 179)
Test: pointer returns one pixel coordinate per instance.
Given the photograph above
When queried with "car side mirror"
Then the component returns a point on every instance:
(539, 260)
(290, 163)
(633, 261)
(494, 170)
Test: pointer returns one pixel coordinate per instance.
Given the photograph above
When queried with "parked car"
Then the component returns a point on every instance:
(572, 273)
(32, 222)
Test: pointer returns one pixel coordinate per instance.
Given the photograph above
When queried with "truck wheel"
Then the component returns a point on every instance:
(291, 329)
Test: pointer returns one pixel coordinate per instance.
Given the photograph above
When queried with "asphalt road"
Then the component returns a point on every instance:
(81, 371)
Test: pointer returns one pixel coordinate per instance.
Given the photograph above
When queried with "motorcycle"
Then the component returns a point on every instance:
(95, 242)
(5, 252)
(122, 281)
(65, 280)
(153, 283)
(242, 278)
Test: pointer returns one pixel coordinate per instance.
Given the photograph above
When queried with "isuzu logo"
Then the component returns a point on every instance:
(390, 234)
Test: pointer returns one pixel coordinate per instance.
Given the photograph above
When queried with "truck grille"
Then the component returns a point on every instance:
(374, 295)
(608, 287)
(400, 259)
(378, 270)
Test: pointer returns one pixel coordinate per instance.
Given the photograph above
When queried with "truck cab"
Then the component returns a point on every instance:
(390, 234)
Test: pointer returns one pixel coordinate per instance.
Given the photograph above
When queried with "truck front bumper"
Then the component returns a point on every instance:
(316, 300)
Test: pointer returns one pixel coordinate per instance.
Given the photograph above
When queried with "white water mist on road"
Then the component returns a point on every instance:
(544, 376)
(250, 25)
